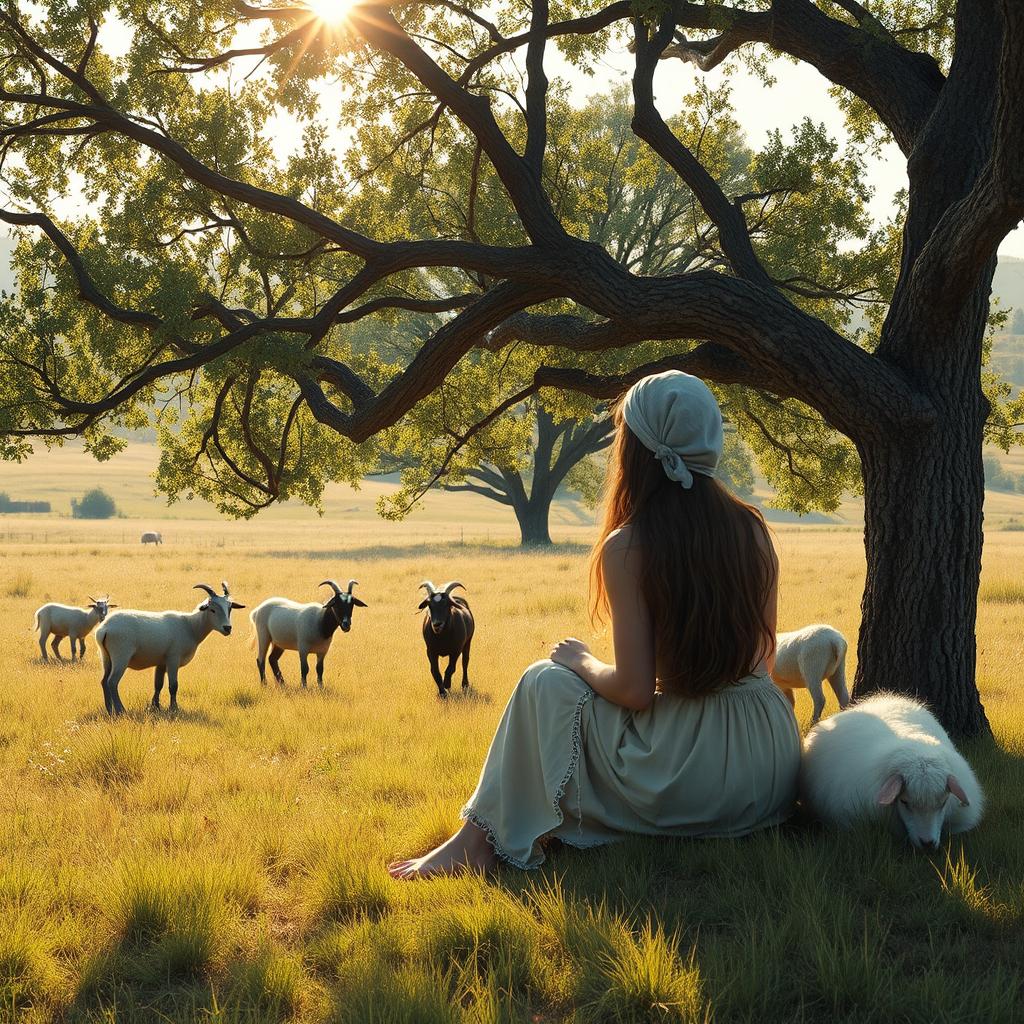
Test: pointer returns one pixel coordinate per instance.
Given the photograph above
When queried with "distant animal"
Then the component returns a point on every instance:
(66, 620)
(164, 641)
(888, 759)
(152, 537)
(807, 656)
(280, 625)
(448, 627)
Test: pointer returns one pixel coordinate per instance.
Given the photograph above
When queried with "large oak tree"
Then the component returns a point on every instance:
(202, 265)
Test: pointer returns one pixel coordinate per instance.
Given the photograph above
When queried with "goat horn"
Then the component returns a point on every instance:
(429, 588)
(224, 584)
(449, 587)
(334, 586)
(206, 587)
(91, 598)
(351, 584)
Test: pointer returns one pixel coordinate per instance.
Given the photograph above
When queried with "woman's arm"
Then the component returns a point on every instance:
(630, 682)
(771, 607)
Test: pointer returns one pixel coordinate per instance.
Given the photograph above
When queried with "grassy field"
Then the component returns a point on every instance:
(226, 864)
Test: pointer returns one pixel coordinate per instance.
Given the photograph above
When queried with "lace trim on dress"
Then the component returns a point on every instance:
(468, 814)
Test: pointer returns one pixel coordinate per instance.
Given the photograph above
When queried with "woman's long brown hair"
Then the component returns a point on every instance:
(707, 569)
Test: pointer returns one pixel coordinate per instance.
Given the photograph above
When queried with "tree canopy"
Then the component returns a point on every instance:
(281, 281)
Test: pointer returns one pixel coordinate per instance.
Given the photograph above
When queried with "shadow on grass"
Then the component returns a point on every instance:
(191, 716)
(379, 552)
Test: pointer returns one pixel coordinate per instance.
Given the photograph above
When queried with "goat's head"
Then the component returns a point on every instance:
(921, 797)
(219, 606)
(439, 603)
(342, 603)
(100, 605)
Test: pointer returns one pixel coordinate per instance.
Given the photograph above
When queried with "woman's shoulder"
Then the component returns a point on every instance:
(619, 540)
(620, 551)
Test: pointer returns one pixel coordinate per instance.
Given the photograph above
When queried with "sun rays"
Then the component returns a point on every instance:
(331, 12)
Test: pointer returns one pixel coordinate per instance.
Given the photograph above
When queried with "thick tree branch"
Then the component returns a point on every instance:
(649, 125)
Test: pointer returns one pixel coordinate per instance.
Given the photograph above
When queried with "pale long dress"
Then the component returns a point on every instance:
(566, 762)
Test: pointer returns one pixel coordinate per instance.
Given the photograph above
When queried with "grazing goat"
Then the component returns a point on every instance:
(888, 759)
(66, 620)
(152, 537)
(807, 656)
(164, 641)
(284, 625)
(448, 627)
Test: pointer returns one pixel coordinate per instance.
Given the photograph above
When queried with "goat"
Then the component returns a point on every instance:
(66, 620)
(164, 641)
(448, 627)
(284, 625)
(806, 657)
(152, 537)
(888, 759)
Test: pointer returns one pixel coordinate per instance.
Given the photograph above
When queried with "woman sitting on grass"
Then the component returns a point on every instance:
(685, 735)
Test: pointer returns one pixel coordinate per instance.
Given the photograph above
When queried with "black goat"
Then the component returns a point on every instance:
(448, 632)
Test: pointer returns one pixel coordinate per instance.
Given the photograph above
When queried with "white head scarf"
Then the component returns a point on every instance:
(675, 415)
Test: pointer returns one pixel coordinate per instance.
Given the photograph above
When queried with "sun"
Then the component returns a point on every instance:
(333, 12)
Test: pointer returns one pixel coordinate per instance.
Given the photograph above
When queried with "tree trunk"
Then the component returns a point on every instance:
(533, 522)
(923, 500)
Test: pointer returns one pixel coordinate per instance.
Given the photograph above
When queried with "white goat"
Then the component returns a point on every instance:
(805, 657)
(284, 625)
(164, 641)
(888, 759)
(66, 620)
(152, 537)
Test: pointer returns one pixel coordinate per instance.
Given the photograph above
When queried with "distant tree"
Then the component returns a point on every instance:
(94, 504)
(559, 446)
(1018, 321)
(999, 479)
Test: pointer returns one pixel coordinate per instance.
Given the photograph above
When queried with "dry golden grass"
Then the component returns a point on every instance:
(227, 863)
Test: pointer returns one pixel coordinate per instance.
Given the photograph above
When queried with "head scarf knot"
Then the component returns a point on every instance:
(675, 416)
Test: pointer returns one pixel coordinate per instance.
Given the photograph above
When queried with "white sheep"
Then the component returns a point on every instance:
(66, 620)
(888, 759)
(284, 625)
(807, 656)
(164, 641)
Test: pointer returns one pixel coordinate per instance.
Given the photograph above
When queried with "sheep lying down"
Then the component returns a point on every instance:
(888, 759)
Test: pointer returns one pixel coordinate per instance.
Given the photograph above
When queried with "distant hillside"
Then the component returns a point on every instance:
(1008, 284)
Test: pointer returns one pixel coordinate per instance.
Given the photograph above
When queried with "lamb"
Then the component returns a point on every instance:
(152, 537)
(448, 628)
(66, 620)
(164, 641)
(805, 657)
(284, 625)
(888, 759)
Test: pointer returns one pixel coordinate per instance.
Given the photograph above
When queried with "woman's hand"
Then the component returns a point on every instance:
(571, 653)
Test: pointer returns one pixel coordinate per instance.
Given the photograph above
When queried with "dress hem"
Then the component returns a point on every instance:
(468, 814)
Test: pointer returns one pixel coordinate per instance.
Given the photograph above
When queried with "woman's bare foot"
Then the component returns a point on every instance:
(467, 850)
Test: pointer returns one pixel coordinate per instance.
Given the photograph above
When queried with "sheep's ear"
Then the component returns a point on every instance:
(112, 605)
(204, 606)
(235, 604)
(957, 790)
(891, 788)
(362, 604)
(424, 603)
